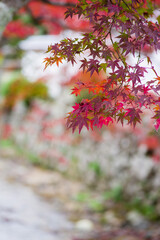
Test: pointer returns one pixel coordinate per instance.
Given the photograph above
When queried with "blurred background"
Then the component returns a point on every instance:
(55, 183)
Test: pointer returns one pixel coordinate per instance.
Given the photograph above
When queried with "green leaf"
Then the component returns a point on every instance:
(103, 66)
(158, 19)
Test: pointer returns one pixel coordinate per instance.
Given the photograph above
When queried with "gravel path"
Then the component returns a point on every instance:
(24, 214)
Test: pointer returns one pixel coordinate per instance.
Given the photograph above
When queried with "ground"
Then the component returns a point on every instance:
(40, 202)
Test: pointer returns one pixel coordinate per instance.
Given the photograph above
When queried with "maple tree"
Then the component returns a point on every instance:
(22, 90)
(42, 17)
(118, 29)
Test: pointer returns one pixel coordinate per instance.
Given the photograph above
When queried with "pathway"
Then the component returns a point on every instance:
(24, 215)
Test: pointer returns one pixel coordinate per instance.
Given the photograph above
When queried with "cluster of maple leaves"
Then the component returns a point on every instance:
(118, 29)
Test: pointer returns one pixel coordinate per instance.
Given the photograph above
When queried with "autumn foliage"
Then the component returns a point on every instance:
(22, 90)
(43, 17)
(119, 29)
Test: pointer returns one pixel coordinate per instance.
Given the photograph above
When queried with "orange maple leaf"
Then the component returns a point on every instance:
(158, 78)
(157, 107)
(76, 91)
(58, 60)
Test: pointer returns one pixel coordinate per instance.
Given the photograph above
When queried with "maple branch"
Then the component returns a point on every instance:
(123, 96)
(109, 31)
(130, 8)
(120, 57)
(127, 5)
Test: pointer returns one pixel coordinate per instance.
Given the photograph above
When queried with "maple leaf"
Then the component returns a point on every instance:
(84, 64)
(121, 117)
(76, 108)
(108, 120)
(86, 106)
(114, 8)
(51, 60)
(94, 122)
(97, 103)
(93, 66)
(119, 106)
(79, 122)
(113, 64)
(146, 89)
(104, 121)
(76, 91)
(157, 107)
(58, 60)
(158, 79)
(134, 115)
(157, 124)
(82, 122)
(134, 78)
